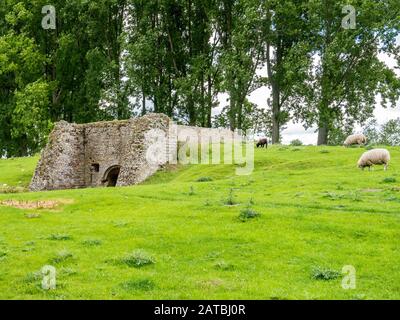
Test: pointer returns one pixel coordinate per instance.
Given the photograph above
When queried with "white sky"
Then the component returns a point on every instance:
(296, 130)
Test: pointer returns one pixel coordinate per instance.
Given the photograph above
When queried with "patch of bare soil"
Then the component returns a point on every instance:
(213, 283)
(40, 204)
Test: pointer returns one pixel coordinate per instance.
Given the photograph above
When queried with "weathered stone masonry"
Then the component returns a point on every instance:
(110, 153)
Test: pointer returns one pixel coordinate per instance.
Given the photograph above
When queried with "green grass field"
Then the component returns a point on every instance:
(174, 237)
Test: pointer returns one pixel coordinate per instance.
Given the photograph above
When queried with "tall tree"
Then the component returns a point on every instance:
(347, 73)
(239, 28)
(287, 56)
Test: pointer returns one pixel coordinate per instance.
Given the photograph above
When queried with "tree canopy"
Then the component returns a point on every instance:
(115, 59)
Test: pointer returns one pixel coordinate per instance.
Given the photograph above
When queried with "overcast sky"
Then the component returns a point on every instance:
(297, 131)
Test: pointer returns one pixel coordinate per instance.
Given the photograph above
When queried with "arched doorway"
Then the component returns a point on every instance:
(111, 176)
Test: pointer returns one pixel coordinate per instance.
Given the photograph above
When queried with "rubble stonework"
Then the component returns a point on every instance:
(112, 153)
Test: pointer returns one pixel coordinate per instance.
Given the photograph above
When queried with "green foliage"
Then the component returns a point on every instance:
(92, 242)
(204, 179)
(60, 237)
(138, 285)
(230, 201)
(338, 134)
(296, 142)
(371, 132)
(344, 81)
(389, 180)
(386, 134)
(390, 133)
(326, 274)
(62, 256)
(247, 214)
(138, 259)
(177, 57)
(224, 266)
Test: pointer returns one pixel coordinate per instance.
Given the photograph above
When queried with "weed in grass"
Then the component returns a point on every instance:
(247, 214)
(230, 201)
(32, 215)
(222, 265)
(332, 196)
(3, 255)
(320, 273)
(213, 255)
(204, 179)
(28, 249)
(138, 285)
(68, 271)
(296, 149)
(191, 191)
(324, 151)
(354, 196)
(207, 203)
(32, 277)
(360, 234)
(391, 198)
(389, 180)
(369, 147)
(359, 297)
(62, 256)
(339, 187)
(121, 224)
(138, 259)
(59, 237)
(91, 242)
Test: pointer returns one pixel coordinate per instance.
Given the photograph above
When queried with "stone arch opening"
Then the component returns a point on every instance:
(111, 176)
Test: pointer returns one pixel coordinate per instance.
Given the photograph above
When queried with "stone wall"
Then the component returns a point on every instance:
(81, 155)
(199, 134)
(60, 165)
(90, 155)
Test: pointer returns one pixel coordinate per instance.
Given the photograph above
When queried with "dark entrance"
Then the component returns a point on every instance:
(111, 176)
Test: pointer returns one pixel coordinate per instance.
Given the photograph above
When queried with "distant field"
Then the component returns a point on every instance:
(174, 237)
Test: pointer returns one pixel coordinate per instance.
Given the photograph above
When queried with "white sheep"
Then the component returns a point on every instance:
(358, 138)
(374, 156)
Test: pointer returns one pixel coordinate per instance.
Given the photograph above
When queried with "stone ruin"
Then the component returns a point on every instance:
(112, 153)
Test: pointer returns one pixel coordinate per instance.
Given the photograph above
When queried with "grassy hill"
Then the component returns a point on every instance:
(179, 235)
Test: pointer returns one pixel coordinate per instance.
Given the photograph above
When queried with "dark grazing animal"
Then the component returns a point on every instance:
(262, 143)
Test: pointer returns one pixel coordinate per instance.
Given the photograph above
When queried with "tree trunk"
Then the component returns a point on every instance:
(209, 98)
(143, 103)
(191, 111)
(276, 110)
(322, 134)
(276, 104)
(232, 111)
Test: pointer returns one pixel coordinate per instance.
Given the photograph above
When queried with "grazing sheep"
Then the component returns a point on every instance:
(374, 156)
(262, 142)
(355, 139)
